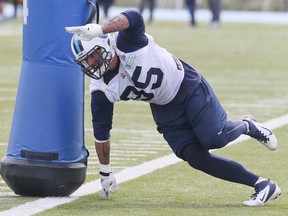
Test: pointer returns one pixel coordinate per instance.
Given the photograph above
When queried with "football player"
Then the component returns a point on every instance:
(187, 112)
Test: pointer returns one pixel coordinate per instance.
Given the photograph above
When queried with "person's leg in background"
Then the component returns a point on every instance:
(191, 6)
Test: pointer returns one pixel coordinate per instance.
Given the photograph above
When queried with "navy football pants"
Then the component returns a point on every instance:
(204, 126)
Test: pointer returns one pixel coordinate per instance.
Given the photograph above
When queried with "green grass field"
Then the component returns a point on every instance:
(247, 67)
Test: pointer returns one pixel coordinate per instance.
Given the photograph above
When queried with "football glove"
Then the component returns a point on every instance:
(86, 32)
(108, 183)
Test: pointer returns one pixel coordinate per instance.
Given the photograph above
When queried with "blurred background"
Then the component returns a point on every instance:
(254, 5)
(13, 8)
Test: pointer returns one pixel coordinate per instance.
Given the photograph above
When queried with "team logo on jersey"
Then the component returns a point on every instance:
(129, 62)
(122, 75)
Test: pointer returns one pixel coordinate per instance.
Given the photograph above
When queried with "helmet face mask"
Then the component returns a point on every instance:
(93, 56)
(101, 63)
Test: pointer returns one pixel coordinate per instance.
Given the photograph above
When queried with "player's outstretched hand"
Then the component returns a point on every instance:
(86, 32)
(108, 184)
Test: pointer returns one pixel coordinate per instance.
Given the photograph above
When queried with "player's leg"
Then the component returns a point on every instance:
(199, 158)
(213, 131)
(209, 120)
(186, 145)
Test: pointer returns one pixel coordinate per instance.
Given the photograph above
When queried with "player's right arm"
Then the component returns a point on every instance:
(107, 179)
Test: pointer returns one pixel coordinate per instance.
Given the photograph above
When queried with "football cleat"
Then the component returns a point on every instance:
(261, 133)
(265, 191)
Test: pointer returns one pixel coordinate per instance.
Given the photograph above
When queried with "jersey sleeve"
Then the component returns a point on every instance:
(134, 37)
(102, 115)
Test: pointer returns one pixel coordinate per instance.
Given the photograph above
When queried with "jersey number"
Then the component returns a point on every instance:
(141, 94)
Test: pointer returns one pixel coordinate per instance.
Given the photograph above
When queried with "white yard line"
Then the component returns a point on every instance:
(31, 208)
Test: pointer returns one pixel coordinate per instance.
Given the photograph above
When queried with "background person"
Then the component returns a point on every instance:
(151, 6)
(191, 6)
(106, 4)
(215, 8)
(16, 3)
(2, 2)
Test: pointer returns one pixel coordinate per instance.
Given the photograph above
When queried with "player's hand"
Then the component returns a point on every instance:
(86, 32)
(108, 184)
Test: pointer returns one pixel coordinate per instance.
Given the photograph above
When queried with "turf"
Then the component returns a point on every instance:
(247, 67)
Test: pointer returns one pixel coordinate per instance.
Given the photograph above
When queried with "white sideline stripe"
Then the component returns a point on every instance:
(42, 204)
(127, 174)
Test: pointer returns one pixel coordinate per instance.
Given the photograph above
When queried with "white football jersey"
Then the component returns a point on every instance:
(150, 74)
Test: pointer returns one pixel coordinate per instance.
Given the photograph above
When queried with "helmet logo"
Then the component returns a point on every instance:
(103, 36)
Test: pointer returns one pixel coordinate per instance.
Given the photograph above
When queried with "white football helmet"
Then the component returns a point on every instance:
(100, 48)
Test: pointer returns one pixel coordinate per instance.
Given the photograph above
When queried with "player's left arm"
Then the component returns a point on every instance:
(118, 23)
